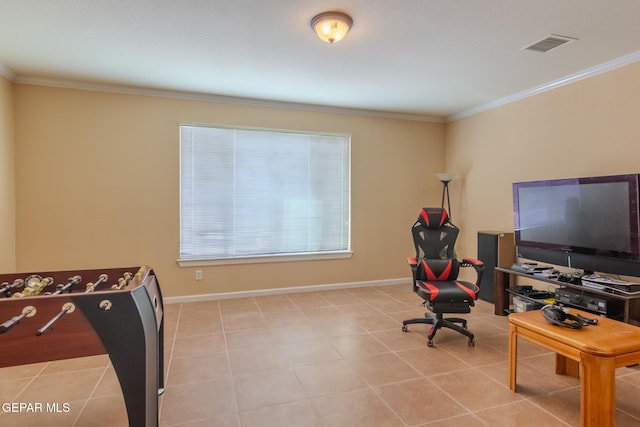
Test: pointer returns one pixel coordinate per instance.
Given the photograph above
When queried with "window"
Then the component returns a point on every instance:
(248, 193)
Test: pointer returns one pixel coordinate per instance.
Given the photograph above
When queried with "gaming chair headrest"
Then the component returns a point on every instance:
(433, 218)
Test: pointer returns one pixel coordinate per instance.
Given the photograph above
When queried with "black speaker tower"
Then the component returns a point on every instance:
(495, 249)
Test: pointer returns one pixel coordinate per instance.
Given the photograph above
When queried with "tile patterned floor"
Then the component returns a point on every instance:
(325, 358)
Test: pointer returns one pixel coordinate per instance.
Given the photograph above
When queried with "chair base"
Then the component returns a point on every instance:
(438, 321)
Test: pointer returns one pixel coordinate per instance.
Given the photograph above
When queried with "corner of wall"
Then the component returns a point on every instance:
(7, 175)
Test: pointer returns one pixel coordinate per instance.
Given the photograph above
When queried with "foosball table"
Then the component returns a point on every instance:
(65, 314)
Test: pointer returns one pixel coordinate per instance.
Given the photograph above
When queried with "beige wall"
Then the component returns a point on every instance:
(591, 127)
(97, 186)
(7, 179)
(96, 175)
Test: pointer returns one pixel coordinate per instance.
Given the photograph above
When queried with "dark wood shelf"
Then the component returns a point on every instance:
(505, 279)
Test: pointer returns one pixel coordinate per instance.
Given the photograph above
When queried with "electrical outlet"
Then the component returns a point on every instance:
(198, 274)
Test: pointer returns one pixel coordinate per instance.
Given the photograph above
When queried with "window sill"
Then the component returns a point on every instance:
(264, 258)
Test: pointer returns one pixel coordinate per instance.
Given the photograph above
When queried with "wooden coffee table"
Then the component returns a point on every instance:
(597, 349)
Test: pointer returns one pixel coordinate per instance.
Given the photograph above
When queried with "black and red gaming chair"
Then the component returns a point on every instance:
(435, 273)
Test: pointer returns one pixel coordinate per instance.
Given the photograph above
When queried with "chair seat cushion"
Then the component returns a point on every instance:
(447, 291)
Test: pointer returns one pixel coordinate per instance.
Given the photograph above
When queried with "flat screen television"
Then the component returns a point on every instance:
(589, 223)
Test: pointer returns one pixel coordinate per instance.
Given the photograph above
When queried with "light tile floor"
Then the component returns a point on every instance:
(325, 358)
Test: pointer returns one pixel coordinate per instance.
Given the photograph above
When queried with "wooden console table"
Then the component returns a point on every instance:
(598, 349)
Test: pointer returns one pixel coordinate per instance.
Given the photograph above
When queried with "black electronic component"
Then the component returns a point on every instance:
(599, 304)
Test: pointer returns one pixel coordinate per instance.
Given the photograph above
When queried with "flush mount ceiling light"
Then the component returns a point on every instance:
(331, 26)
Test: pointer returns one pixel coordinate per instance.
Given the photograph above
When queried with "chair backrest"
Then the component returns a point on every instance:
(434, 236)
(437, 269)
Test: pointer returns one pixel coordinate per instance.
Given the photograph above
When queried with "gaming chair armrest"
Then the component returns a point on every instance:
(477, 265)
(413, 263)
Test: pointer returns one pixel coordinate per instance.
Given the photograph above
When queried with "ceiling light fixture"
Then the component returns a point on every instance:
(331, 26)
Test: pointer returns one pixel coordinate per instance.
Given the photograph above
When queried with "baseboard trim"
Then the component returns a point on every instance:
(276, 291)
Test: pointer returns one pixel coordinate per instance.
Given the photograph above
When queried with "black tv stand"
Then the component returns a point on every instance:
(505, 282)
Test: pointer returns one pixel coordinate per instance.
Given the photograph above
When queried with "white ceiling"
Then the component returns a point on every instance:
(435, 58)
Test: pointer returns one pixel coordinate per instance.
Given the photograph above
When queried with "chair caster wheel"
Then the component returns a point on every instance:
(472, 342)
(404, 328)
(430, 342)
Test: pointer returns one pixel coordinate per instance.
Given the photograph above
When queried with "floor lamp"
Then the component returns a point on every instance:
(445, 179)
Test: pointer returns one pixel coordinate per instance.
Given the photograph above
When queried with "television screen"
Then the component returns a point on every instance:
(592, 216)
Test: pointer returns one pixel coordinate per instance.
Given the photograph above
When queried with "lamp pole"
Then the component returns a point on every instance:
(445, 179)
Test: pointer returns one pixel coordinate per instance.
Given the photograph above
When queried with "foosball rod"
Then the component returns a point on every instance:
(66, 308)
(6, 286)
(71, 281)
(123, 282)
(28, 311)
(92, 286)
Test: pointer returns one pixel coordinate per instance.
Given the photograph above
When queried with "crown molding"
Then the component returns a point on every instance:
(6, 72)
(194, 96)
(572, 78)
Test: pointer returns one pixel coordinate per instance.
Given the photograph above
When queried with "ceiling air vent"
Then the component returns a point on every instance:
(550, 42)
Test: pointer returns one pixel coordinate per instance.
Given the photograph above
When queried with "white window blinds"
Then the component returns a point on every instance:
(246, 193)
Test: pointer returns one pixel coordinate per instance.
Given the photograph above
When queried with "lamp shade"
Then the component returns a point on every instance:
(444, 177)
(331, 26)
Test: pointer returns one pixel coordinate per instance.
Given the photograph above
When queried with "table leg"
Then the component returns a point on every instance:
(598, 389)
(566, 366)
(513, 356)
